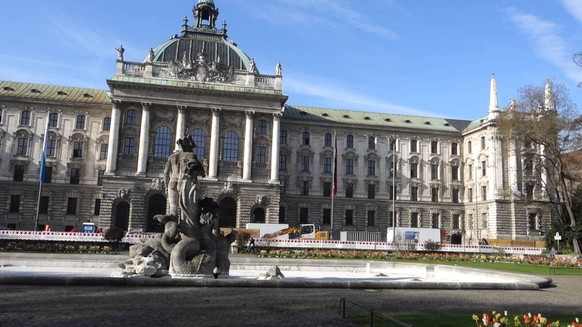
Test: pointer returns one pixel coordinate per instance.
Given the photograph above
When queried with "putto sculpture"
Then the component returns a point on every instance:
(191, 244)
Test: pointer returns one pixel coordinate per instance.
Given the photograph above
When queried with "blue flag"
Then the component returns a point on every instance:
(43, 155)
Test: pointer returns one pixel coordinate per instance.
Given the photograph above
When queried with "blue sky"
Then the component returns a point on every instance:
(419, 57)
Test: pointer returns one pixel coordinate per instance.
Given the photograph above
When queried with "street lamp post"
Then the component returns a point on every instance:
(477, 218)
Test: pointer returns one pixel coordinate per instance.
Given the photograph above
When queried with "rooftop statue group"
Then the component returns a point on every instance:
(191, 244)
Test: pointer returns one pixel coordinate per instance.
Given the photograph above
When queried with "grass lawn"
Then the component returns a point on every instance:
(464, 320)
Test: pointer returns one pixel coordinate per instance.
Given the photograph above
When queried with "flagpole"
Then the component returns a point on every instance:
(41, 173)
(334, 181)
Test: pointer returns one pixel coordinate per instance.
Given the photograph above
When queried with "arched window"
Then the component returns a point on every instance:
(131, 117)
(80, 122)
(230, 147)
(162, 142)
(106, 124)
(199, 137)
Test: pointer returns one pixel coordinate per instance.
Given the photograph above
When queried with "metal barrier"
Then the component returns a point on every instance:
(372, 314)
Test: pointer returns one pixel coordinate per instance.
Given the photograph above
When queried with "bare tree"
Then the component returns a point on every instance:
(546, 120)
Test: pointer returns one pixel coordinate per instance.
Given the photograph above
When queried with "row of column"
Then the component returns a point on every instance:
(180, 132)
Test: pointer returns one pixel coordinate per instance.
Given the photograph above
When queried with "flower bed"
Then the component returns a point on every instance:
(497, 319)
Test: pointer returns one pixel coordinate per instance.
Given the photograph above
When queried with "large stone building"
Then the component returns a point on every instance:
(265, 160)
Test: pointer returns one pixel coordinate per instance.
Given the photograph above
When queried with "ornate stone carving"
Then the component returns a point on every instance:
(191, 244)
(201, 70)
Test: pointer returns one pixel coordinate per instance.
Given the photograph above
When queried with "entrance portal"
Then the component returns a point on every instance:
(156, 206)
(258, 215)
(121, 218)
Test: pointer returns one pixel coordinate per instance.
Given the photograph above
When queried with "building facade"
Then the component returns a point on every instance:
(265, 160)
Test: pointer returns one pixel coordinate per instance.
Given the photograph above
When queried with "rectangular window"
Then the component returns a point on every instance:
(327, 140)
(43, 205)
(434, 171)
(97, 208)
(435, 220)
(78, 149)
(390, 218)
(349, 217)
(455, 173)
(80, 124)
(53, 119)
(51, 148)
(414, 219)
(327, 216)
(106, 124)
(71, 206)
(371, 191)
(129, 146)
(391, 192)
(392, 168)
(283, 162)
(434, 194)
(305, 163)
(371, 168)
(483, 168)
(305, 138)
(327, 165)
(281, 215)
(392, 144)
(103, 151)
(305, 189)
(482, 142)
(455, 195)
(18, 173)
(484, 193)
(326, 189)
(349, 166)
(22, 146)
(75, 175)
(48, 174)
(454, 149)
(414, 193)
(283, 137)
(303, 215)
(261, 155)
(456, 221)
(350, 141)
(470, 195)
(413, 170)
(349, 190)
(469, 146)
(283, 186)
(371, 143)
(434, 147)
(14, 203)
(262, 127)
(413, 146)
(371, 218)
(25, 118)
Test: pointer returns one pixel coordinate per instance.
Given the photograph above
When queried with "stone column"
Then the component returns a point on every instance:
(248, 150)
(275, 148)
(144, 140)
(180, 125)
(113, 139)
(214, 138)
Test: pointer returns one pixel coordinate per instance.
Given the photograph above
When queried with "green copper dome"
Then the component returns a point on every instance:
(205, 37)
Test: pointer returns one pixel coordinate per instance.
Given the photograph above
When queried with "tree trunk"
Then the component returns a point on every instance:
(568, 205)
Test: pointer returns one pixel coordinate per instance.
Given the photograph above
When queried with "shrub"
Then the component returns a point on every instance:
(432, 246)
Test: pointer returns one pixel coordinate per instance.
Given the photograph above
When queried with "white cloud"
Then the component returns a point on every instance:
(547, 41)
(322, 12)
(574, 7)
(317, 87)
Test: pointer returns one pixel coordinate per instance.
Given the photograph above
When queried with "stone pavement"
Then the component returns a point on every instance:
(106, 305)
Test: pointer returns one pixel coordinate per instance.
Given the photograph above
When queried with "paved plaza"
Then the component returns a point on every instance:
(107, 305)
